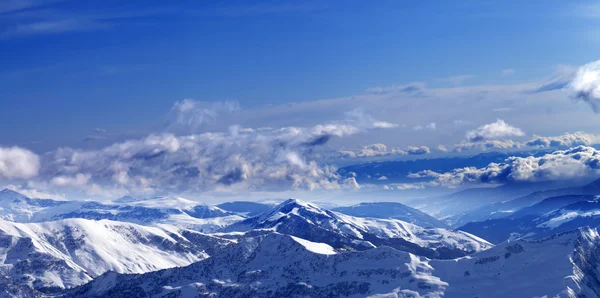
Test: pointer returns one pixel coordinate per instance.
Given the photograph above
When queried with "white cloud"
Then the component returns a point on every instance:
(486, 145)
(560, 165)
(585, 85)
(495, 130)
(376, 150)
(561, 141)
(18, 163)
(418, 150)
(565, 140)
(77, 180)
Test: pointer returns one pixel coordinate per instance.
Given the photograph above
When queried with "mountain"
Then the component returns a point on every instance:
(276, 265)
(392, 210)
(451, 208)
(70, 252)
(169, 210)
(507, 207)
(551, 216)
(344, 232)
(246, 208)
(17, 207)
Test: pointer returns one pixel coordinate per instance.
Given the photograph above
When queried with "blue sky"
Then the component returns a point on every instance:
(75, 66)
(107, 98)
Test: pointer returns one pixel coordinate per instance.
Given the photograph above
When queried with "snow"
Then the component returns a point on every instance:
(565, 217)
(307, 220)
(94, 247)
(272, 264)
(319, 248)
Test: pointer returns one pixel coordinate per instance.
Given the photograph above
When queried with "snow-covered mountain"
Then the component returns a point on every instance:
(392, 210)
(506, 208)
(19, 208)
(550, 216)
(276, 265)
(344, 232)
(169, 210)
(70, 252)
(451, 208)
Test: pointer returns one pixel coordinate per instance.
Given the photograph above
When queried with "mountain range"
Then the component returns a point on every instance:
(174, 247)
(276, 265)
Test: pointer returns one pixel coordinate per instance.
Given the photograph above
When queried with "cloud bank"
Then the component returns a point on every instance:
(576, 162)
(241, 159)
(378, 150)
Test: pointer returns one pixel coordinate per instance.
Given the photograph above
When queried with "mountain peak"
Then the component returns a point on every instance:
(11, 194)
(296, 202)
(294, 205)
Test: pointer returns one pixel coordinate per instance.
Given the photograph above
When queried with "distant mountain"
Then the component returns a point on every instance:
(344, 232)
(170, 210)
(507, 207)
(70, 252)
(392, 210)
(17, 207)
(453, 207)
(275, 265)
(550, 216)
(246, 208)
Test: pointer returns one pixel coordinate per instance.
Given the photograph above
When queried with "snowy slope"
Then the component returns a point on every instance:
(275, 265)
(69, 252)
(344, 232)
(563, 265)
(391, 210)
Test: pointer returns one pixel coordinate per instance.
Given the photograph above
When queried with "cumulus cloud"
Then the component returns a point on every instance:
(565, 140)
(486, 145)
(420, 150)
(372, 150)
(585, 85)
(495, 130)
(375, 150)
(576, 162)
(561, 141)
(18, 163)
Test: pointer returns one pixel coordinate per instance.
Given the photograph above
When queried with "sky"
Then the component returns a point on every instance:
(94, 92)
